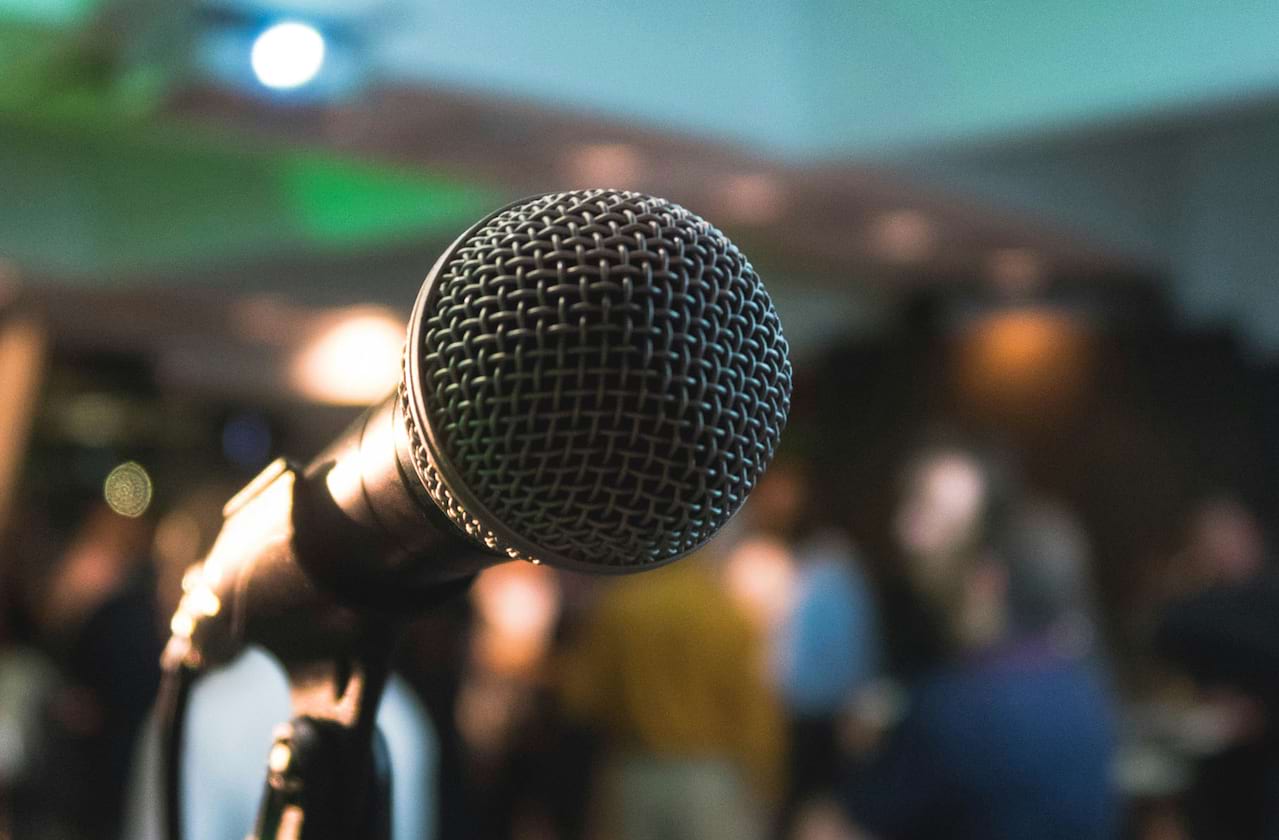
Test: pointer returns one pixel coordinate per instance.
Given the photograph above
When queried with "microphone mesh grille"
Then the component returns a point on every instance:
(605, 374)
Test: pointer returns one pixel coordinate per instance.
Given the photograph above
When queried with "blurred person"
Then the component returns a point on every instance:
(828, 646)
(94, 612)
(826, 657)
(1220, 626)
(28, 681)
(810, 591)
(1009, 732)
(234, 709)
(432, 659)
(516, 607)
(671, 673)
(951, 500)
(1225, 544)
(1051, 595)
(502, 714)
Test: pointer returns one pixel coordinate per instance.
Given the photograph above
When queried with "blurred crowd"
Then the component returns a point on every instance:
(777, 684)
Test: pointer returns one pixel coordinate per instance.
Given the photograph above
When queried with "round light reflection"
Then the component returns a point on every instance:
(287, 55)
(128, 490)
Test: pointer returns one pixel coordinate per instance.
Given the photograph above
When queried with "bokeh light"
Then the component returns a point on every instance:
(517, 605)
(1024, 364)
(246, 440)
(354, 361)
(903, 236)
(760, 575)
(288, 55)
(128, 489)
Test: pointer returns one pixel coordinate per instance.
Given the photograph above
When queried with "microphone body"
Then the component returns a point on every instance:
(592, 379)
(307, 552)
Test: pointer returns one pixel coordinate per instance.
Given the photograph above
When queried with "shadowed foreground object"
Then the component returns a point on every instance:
(597, 378)
(592, 379)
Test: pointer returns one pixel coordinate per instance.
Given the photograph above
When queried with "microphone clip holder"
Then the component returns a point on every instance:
(265, 582)
(328, 777)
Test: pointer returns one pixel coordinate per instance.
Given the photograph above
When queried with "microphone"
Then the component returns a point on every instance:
(591, 379)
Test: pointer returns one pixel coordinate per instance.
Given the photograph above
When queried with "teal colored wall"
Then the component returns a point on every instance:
(836, 78)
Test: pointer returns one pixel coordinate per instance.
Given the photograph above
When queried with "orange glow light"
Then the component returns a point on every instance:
(1020, 344)
(1024, 361)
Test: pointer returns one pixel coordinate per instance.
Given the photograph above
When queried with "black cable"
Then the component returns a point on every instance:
(171, 708)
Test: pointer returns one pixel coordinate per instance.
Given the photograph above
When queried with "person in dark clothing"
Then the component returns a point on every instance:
(1009, 734)
(1228, 635)
(1222, 630)
(113, 660)
(97, 612)
(1014, 743)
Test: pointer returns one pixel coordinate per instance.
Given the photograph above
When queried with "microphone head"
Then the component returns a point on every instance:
(594, 379)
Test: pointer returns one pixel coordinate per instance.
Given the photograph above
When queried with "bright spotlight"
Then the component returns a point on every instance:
(288, 55)
(353, 360)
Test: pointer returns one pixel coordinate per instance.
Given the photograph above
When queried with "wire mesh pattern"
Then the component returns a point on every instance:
(605, 373)
(439, 491)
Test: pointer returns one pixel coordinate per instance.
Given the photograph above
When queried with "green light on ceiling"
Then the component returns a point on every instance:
(338, 202)
(98, 196)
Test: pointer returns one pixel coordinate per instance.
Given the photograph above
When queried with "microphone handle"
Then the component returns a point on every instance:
(363, 494)
(305, 554)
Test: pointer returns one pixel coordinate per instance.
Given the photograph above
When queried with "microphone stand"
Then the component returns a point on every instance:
(328, 771)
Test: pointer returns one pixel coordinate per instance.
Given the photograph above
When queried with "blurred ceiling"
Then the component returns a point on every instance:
(848, 148)
(817, 79)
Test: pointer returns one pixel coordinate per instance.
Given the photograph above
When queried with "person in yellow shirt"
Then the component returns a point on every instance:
(672, 674)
